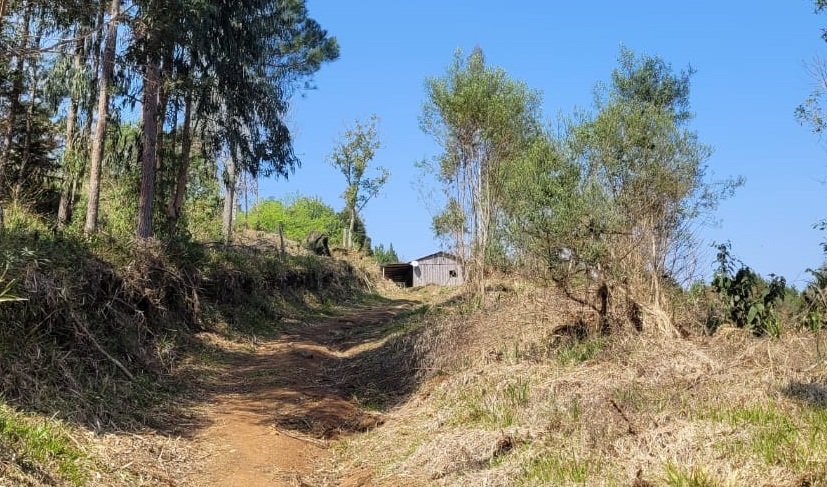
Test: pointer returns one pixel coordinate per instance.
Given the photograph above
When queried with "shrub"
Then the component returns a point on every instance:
(749, 300)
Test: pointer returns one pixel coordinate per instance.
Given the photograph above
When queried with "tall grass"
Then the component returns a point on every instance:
(39, 451)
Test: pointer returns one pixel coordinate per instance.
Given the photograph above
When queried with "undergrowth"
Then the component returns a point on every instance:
(558, 468)
(676, 475)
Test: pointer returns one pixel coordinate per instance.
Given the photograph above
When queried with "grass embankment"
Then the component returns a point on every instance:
(101, 344)
(98, 366)
(504, 401)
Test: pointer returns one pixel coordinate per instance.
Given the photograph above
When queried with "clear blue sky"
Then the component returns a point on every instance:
(750, 77)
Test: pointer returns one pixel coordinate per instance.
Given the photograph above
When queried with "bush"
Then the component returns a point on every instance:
(749, 300)
(299, 216)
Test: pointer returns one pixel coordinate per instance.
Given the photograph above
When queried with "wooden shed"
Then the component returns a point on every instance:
(440, 268)
(401, 273)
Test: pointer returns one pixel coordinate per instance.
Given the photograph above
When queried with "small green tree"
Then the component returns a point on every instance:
(385, 256)
(299, 216)
(544, 208)
(749, 300)
(482, 120)
(814, 299)
(352, 157)
(611, 202)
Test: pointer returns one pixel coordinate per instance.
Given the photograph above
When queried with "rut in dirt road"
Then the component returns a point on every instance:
(273, 409)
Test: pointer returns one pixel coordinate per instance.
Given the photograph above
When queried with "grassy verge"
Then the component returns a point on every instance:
(104, 339)
(507, 403)
(38, 451)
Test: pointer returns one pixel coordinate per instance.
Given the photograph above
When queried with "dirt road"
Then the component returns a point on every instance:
(277, 405)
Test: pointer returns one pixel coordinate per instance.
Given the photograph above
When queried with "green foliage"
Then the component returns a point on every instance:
(40, 446)
(488, 404)
(517, 392)
(9, 259)
(580, 351)
(299, 216)
(613, 196)
(352, 157)
(643, 173)
(749, 301)
(202, 207)
(227, 71)
(544, 203)
(383, 256)
(811, 111)
(31, 157)
(775, 436)
(678, 476)
(650, 79)
(814, 299)
(482, 120)
(277, 45)
(558, 468)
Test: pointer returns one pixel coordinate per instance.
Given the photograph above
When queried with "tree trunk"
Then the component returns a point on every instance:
(149, 144)
(107, 70)
(229, 200)
(27, 145)
(64, 209)
(176, 203)
(94, 50)
(163, 98)
(603, 312)
(656, 273)
(15, 106)
(350, 228)
(281, 240)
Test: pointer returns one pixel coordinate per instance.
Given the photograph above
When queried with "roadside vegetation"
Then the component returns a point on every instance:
(509, 395)
(104, 337)
(586, 347)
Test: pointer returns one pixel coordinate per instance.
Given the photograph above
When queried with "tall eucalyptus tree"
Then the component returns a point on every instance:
(249, 57)
(107, 71)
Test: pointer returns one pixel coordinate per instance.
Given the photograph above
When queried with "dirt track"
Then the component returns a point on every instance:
(276, 407)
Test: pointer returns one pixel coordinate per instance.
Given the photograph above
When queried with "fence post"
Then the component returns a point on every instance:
(281, 239)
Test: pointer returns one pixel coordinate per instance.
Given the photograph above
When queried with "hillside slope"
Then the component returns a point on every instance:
(202, 365)
(100, 339)
(508, 401)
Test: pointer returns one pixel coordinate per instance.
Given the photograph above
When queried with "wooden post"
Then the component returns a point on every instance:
(281, 239)
(603, 295)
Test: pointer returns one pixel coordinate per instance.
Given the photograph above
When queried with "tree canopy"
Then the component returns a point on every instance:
(216, 77)
(482, 120)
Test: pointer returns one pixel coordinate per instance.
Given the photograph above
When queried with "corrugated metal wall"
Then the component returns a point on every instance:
(437, 269)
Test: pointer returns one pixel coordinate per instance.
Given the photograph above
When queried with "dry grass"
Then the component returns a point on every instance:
(508, 395)
(632, 409)
(100, 354)
(37, 451)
